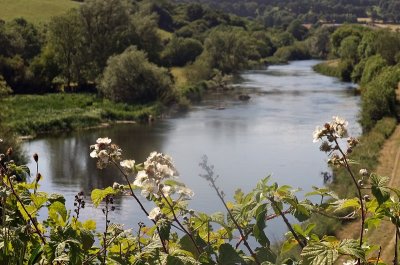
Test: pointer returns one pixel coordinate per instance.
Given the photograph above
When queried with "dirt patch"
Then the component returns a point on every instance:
(384, 235)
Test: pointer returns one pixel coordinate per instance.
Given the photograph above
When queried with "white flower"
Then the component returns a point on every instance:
(154, 213)
(128, 165)
(317, 134)
(363, 172)
(184, 191)
(149, 186)
(105, 140)
(350, 262)
(339, 125)
(140, 178)
(166, 190)
(103, 156)
(93, 154)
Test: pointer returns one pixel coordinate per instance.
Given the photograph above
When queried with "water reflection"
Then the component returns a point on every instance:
(269, 134)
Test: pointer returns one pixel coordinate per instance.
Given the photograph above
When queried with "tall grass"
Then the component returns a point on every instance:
(34, 114)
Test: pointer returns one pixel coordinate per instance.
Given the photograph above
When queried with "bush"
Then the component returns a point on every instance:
(379, 97)
(297, 51)
(131, 78)
(180, 51)
(373, 66)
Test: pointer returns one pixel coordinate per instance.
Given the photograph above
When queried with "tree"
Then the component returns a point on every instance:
(131, 78)
(65, 41)
(227, 49)
(180, 51)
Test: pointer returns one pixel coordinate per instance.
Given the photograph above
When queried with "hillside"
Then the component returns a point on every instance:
(36, 11)
(309, 11)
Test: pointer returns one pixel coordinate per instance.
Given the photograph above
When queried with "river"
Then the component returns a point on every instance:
(271, 134)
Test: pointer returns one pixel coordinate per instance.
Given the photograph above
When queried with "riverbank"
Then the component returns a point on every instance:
(30, 115)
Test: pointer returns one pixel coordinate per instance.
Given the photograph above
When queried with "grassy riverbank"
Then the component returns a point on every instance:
(35, 114)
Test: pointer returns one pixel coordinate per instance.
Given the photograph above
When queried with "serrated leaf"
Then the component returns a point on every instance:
(352, 248)
(266, 255)
(98, 195)
(89, 225)
(320, 253)
(346, 203)
(258, 228)
(379, 188)
(229, 256)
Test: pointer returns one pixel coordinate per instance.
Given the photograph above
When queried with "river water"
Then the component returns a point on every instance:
(271, 134)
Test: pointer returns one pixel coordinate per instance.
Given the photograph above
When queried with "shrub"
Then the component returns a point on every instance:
(131, 78)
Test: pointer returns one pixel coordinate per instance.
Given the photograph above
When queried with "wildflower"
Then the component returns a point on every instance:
(155, 213)
(128, 165)
(140, 178)
(166, 190)
(317, 134)
(325, 147)
(186, 192)
(350, 262)
(149, 186)
(103, 156)
(339, 126)
(363, 172)
(105, 141)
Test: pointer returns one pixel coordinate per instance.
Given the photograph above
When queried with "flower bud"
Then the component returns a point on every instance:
(367, 198)
(363, 172)
(9, 151)
(35, 157)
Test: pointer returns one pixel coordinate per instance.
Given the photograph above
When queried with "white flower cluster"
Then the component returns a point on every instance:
(105, 152)
(158, 168)
(336, 128)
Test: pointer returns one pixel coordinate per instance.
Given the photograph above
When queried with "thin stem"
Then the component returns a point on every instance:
(210, 178)
(140, 204)
(243, 236)
(379, 255)
(396, 248)
(180, 224)
(26, 212)
(358, 190)
(106, 211)
(276, 206)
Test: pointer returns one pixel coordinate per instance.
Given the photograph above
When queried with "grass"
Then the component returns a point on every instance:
(35, 11)
(179, 74)
(36, 114)
(164, 35)
(329, 68)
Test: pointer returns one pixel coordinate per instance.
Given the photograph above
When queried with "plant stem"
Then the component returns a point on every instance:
(276, 206)
(396, 247)
(180, 224)
(27, 213)
(242, 235)
(140, 204)
(358, 191)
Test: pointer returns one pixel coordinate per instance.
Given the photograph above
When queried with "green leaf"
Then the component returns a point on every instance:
(301, 212)
(289, 244)
(266, 255)
(346, 203)
(258, 228)
(229, 256)
(379, 188)
(320, 253)
(352, 248)
(164, 228)
(29, 208)
(87, 239)
(58, 208)
(99, 195)
(35, 255)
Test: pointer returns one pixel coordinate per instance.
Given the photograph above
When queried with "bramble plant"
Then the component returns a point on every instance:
(179, 235)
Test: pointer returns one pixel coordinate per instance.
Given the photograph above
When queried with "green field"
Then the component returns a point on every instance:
(35, 11)
(35, 114)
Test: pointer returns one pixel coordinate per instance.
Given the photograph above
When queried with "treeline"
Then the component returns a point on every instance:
(276, 12)
(125, 49)
(370, 58)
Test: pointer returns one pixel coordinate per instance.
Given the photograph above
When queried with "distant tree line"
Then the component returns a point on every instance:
(277, 12)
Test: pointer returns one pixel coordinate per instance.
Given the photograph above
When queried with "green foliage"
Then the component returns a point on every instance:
(131, 78)
(379, 97)
(297, 51)
(35, 114)
(372, 68)
(180, 51)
